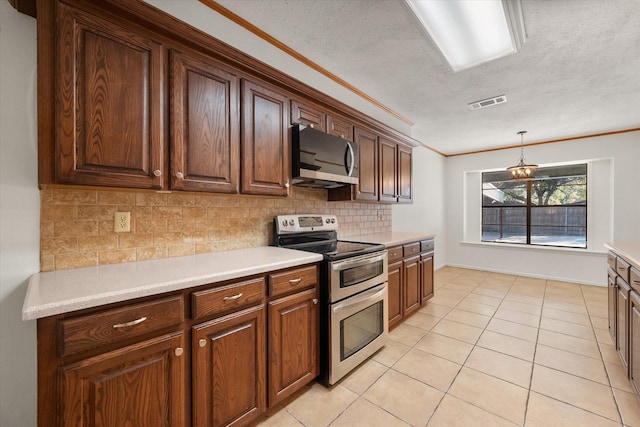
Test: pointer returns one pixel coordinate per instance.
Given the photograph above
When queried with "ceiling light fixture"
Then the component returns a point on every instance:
(471, 32)
(522, 170)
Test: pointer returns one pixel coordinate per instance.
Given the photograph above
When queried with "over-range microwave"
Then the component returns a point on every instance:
(322, 160)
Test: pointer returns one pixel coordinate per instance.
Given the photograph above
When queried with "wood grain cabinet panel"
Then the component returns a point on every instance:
(109, 113)
(388, 171)
(308, 115)
(405, 171)
(394, 284)
(634, 341)
(293, 343)
(411, 284)
(228, 371)
(367, 187)
(140, 385)
(339, 126)
(266, 146)
(426, 277)
(622, 322)
(205, 123)
(612, 300)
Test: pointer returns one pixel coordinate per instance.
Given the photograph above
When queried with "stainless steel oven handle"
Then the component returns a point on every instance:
(357, 262)
(362, 298)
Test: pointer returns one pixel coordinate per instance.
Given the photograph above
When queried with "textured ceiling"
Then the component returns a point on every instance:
(578, 73)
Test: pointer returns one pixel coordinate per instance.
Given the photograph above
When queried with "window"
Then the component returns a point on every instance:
(549, 210)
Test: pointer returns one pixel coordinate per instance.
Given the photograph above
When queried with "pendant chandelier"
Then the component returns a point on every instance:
(522, 170)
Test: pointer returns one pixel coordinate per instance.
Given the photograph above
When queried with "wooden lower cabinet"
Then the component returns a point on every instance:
(634, 341)
(293, 343)
(139, 385)
(228, 377)
(622, 321)
(612, 298)
(426, 277)
(411, 284)
(394, 285)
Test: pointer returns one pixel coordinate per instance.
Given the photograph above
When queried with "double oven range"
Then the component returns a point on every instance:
(353, 291)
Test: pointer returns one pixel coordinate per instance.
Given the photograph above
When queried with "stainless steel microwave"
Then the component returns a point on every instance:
(321, 160)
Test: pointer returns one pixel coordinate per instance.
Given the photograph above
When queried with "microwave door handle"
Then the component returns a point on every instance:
(349, 155)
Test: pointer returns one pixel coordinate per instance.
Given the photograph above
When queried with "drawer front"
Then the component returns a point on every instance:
(634, 279)
(118, 324)
(225, 298)
(622, 268)
(394, 254)
(411, 249)
(611, 260)
(293, 280)
(427, 245)
(612, 274)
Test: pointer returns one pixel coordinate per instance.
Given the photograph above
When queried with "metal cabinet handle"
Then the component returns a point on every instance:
(202, 342)
(178, 351)
(233, 297)
(157, 172)
(127, 324)
(295, 281)
(179, 175)
(315, 300)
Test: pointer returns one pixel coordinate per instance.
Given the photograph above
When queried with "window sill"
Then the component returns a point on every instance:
(530, 248)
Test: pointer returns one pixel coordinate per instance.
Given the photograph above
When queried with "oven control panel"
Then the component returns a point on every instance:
(299, 223)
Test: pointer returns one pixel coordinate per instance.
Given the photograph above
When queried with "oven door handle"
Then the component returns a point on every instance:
(357, 262)
(371, 294)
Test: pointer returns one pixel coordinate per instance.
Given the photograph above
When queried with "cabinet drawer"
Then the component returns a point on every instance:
(634, 279)
(622, 268)
(118, 324)
(293, 280)
(411, 249)
(611, 260)
(427, 245)
(224, 298)
(394, 254)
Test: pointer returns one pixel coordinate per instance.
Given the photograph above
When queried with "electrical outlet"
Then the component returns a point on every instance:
(380, 216)
(122, 222)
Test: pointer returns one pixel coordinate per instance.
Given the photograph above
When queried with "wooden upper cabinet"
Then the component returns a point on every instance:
(205, 123)
(405, 171)
(339, 126)
(109, 112)
(308, 115)
(388, 171)
(266, 146)
(367, 187)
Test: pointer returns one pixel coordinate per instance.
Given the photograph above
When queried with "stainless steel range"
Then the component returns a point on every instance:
(353, 291)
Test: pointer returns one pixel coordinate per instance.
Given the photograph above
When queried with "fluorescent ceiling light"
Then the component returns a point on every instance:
(471, 32)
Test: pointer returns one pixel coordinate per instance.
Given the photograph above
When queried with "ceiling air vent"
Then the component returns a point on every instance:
(501, 99)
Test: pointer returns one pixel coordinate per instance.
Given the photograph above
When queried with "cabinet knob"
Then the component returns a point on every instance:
(359, 192)
(178, 351)
(157, 172)
(202, 342)
(342, 135)
(179, 175)
(286, 185)
(311, 125)
(315, 300)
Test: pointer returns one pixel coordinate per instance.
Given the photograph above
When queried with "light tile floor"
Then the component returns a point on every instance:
(487, 350)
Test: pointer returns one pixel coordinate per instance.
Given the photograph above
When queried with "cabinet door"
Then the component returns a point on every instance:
(367, 188)
(308, 115)
(228, 372)
(205, 123)
(388, 171)
(622, 322)
(109, 113)
(612, 298)
(293, 343)
(266, 149)
(634, 342)
(404, 174)
(340, 126)
(395, 293)
(411, 284)
(139, 385)
(426, 277)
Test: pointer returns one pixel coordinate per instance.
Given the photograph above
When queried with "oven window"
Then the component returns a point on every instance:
(359, 329)
(355, 275)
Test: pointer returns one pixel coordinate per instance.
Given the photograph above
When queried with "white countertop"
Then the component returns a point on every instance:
(62, 291)
(392, 238)
(628, 250)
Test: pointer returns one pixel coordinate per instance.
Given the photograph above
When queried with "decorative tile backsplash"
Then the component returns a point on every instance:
(76, 225)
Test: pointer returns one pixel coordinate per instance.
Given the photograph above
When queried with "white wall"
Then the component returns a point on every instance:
(19, 215)
(617, 221)
(426, 214)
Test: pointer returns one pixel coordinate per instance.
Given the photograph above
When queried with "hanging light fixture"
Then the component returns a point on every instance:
(522, 170)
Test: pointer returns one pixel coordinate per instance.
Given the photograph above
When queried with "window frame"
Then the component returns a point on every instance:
(528, 205)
